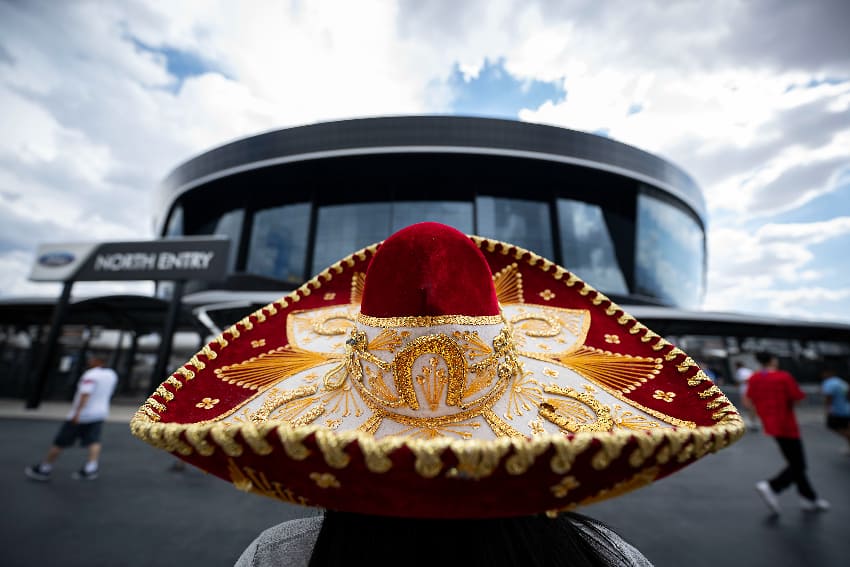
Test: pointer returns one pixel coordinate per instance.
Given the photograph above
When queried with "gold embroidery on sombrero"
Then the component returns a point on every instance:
(309, 417)
(525, 394)
(275, 399)
(563, 488)
(207, 403)
(325, 480)
(534, 321)
(379, 387)
(343, 398)
(617, 371)
(508, 284)
(552, 325)
(358, 280)
(271, 367)
(388, 340)
(345, 321)
(431, 384)
(432, 429)
(472, 344)
(578, 412)
(627, 419)
(249, 480)
(499, 427)
(372, 424)
(547, 295)
(473, 347)
(428, 320)
(448, 371)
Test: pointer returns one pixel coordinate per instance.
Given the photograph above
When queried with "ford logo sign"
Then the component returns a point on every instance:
(56, 259)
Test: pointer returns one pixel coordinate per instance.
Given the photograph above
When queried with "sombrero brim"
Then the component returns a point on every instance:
(194, 414)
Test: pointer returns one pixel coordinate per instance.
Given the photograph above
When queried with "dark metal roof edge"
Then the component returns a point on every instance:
(355, 133)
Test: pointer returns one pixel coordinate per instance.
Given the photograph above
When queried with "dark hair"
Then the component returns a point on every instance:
(765, 357)
(96, 355)
(530, 541)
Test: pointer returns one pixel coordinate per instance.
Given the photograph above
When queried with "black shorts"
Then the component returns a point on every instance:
(837, 422)
(87, 433)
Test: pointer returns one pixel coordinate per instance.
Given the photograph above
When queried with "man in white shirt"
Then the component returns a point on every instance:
(742, 377)
(84, 422)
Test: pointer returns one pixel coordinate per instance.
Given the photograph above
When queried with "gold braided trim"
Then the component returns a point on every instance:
(428, 321)
(148, 412)
(208, 352)
(185, 372)
(164, 393)
(477, 457)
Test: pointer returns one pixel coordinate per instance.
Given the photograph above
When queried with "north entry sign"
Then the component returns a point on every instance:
(165, 259)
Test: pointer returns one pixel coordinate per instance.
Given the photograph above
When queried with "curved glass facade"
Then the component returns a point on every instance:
(670, 256)
(522, 222)
(278, 242)
(587, 246)
(343, 229)
(664, 262)
(628, 223)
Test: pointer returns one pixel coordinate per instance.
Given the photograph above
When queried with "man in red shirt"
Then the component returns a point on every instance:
(774, 393)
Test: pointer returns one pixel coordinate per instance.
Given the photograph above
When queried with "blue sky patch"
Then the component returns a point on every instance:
(178, 63)
(812, 83)
(498, 94)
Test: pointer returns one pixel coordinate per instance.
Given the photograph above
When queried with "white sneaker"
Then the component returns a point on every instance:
(768, 495)
(819, 505)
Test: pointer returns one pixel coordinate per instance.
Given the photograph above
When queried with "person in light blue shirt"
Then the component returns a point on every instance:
(836, 392)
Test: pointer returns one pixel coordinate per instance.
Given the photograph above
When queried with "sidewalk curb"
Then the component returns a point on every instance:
(58, 411)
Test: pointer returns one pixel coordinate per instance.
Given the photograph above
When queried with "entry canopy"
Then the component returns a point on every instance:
(141, 313)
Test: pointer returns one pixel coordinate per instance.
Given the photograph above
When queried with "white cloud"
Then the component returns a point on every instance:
(750, 98)
(773, 270)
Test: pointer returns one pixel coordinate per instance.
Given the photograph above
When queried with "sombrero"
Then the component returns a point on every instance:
(440, 375)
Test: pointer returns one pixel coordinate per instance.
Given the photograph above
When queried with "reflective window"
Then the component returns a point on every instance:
(516, 221)
(587, 247)
(456, 214)
(175, 223)
(279, 242)
(343, 229)
(670, 259)
(229, 224)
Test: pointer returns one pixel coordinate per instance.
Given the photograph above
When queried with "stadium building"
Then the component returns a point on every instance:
(296, 200)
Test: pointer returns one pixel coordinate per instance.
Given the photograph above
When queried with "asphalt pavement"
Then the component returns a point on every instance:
(141, 513)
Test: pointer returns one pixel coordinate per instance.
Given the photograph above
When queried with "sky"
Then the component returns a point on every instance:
(99, 101)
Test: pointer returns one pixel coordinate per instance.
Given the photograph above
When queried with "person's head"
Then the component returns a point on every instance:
(527, 541)
(767, 359)
(95, 359)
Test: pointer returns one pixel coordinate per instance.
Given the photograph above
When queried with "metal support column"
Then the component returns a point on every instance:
(160, 369)
(48, 353)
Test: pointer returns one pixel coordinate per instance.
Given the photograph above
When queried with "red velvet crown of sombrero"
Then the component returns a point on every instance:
(440, 375)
